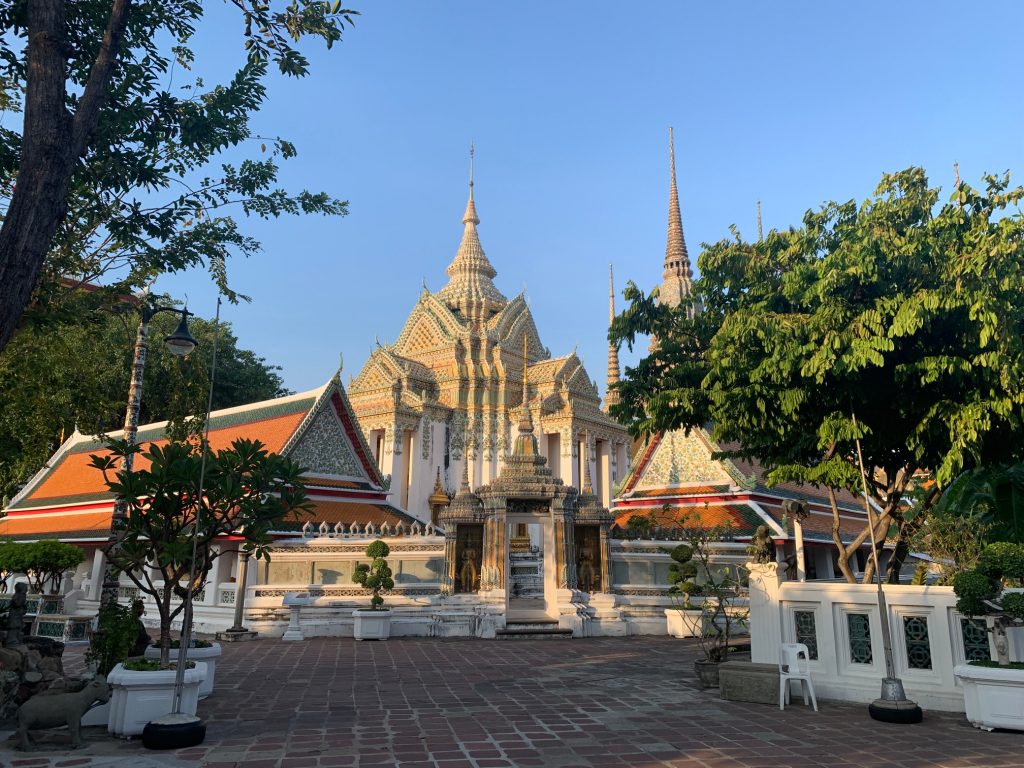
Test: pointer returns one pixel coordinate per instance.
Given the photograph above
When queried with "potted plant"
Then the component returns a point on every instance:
(109, 647)
(684, 619)
(198, 650)
(994, 689)
(721, 585)
(373, 623)
(247, 491)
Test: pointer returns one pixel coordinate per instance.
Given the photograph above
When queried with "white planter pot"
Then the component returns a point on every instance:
(138, 697)
(99, 715)
(684, 623)
(371, 625)
(993, 696)
(207, 655)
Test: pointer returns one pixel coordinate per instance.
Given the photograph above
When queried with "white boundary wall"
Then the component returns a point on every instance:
(836, 673)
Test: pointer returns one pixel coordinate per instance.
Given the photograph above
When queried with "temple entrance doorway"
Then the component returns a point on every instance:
(530, 563)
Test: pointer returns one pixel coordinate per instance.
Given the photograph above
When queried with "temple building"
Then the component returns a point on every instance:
(675, 480)
(447, 392)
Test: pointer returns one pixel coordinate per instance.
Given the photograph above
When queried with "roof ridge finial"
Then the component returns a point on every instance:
(472, 152)
(760, 232)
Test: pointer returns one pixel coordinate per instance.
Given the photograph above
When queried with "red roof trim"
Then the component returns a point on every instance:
(642, 464)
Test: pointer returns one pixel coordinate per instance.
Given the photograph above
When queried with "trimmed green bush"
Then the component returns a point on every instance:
(980, 592)
(377, 575)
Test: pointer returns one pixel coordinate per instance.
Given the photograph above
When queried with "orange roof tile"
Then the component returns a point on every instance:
(743, 519)
(91, 524)
(74, 477)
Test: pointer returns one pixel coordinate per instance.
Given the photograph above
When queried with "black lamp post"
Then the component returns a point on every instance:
(180, 344)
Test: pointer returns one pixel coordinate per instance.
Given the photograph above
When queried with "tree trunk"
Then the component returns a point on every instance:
(52, 143)
(165, 628)
(842, 554)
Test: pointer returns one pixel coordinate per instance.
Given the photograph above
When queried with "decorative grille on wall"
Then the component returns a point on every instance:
(975, 635)
(806, 632)
(859, 625)
(915, 635)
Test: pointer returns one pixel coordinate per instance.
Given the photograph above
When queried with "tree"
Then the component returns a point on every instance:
(898, 321)
(62, 375)
(47, 560)
(107, 131)
(247, 491)
(375, 575)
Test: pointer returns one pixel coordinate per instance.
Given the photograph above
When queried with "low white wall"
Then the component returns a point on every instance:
(928, 636)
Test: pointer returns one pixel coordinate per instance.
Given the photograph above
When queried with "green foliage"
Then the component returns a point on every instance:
(112, 643)
(376, 576)
(1013, 605)
(12, 559)
(954, 542)
(72, 374)
(994, 493)
(173, 159)
(247, 492)
(1002, 560)
(972, 589)
(904, 312)
(639, 526)
(980, 592)
(681, 574)
(44, 562)
(721, 613)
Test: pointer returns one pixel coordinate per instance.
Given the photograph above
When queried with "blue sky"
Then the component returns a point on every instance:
(569, 104)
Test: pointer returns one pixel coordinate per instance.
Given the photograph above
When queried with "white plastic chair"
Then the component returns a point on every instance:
(791, 668)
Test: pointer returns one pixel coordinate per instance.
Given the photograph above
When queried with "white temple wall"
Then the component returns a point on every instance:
(841, 623)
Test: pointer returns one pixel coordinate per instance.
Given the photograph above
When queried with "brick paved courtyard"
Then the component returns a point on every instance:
(419, 703)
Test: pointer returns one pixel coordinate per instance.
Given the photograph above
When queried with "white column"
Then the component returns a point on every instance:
(765, 613)
(801, 564)
(96, 578)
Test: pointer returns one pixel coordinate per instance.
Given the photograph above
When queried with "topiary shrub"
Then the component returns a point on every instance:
(681, 576)
(980, 591)
(377, 575)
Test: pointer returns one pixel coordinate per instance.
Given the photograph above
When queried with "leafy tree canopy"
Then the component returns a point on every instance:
(906, 314)
(61, 375)
(117, 175)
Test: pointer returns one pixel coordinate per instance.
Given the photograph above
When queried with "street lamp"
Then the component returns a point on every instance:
(180, 343)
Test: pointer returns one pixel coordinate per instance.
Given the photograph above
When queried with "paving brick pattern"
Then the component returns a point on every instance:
(419, 703)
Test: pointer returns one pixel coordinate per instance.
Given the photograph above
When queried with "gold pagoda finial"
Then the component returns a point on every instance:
(677, 275)
(526, 418)
(471, 153)
(611, 396)
(760, 232)
(588, 486)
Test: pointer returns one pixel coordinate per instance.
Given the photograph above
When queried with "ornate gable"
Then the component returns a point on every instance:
(679, 459)
(430, 327)
(324, 448)
(329, 442)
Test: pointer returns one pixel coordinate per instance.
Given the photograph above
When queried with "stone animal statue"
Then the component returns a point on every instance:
(58, 709)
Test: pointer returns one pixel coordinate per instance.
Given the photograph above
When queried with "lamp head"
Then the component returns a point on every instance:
(181, 343)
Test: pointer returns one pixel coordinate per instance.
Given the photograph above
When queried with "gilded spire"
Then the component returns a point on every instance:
(526, 442)
(611, 396)
(677, 277)
(588, 486)
(525, 418)
(470, 289)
